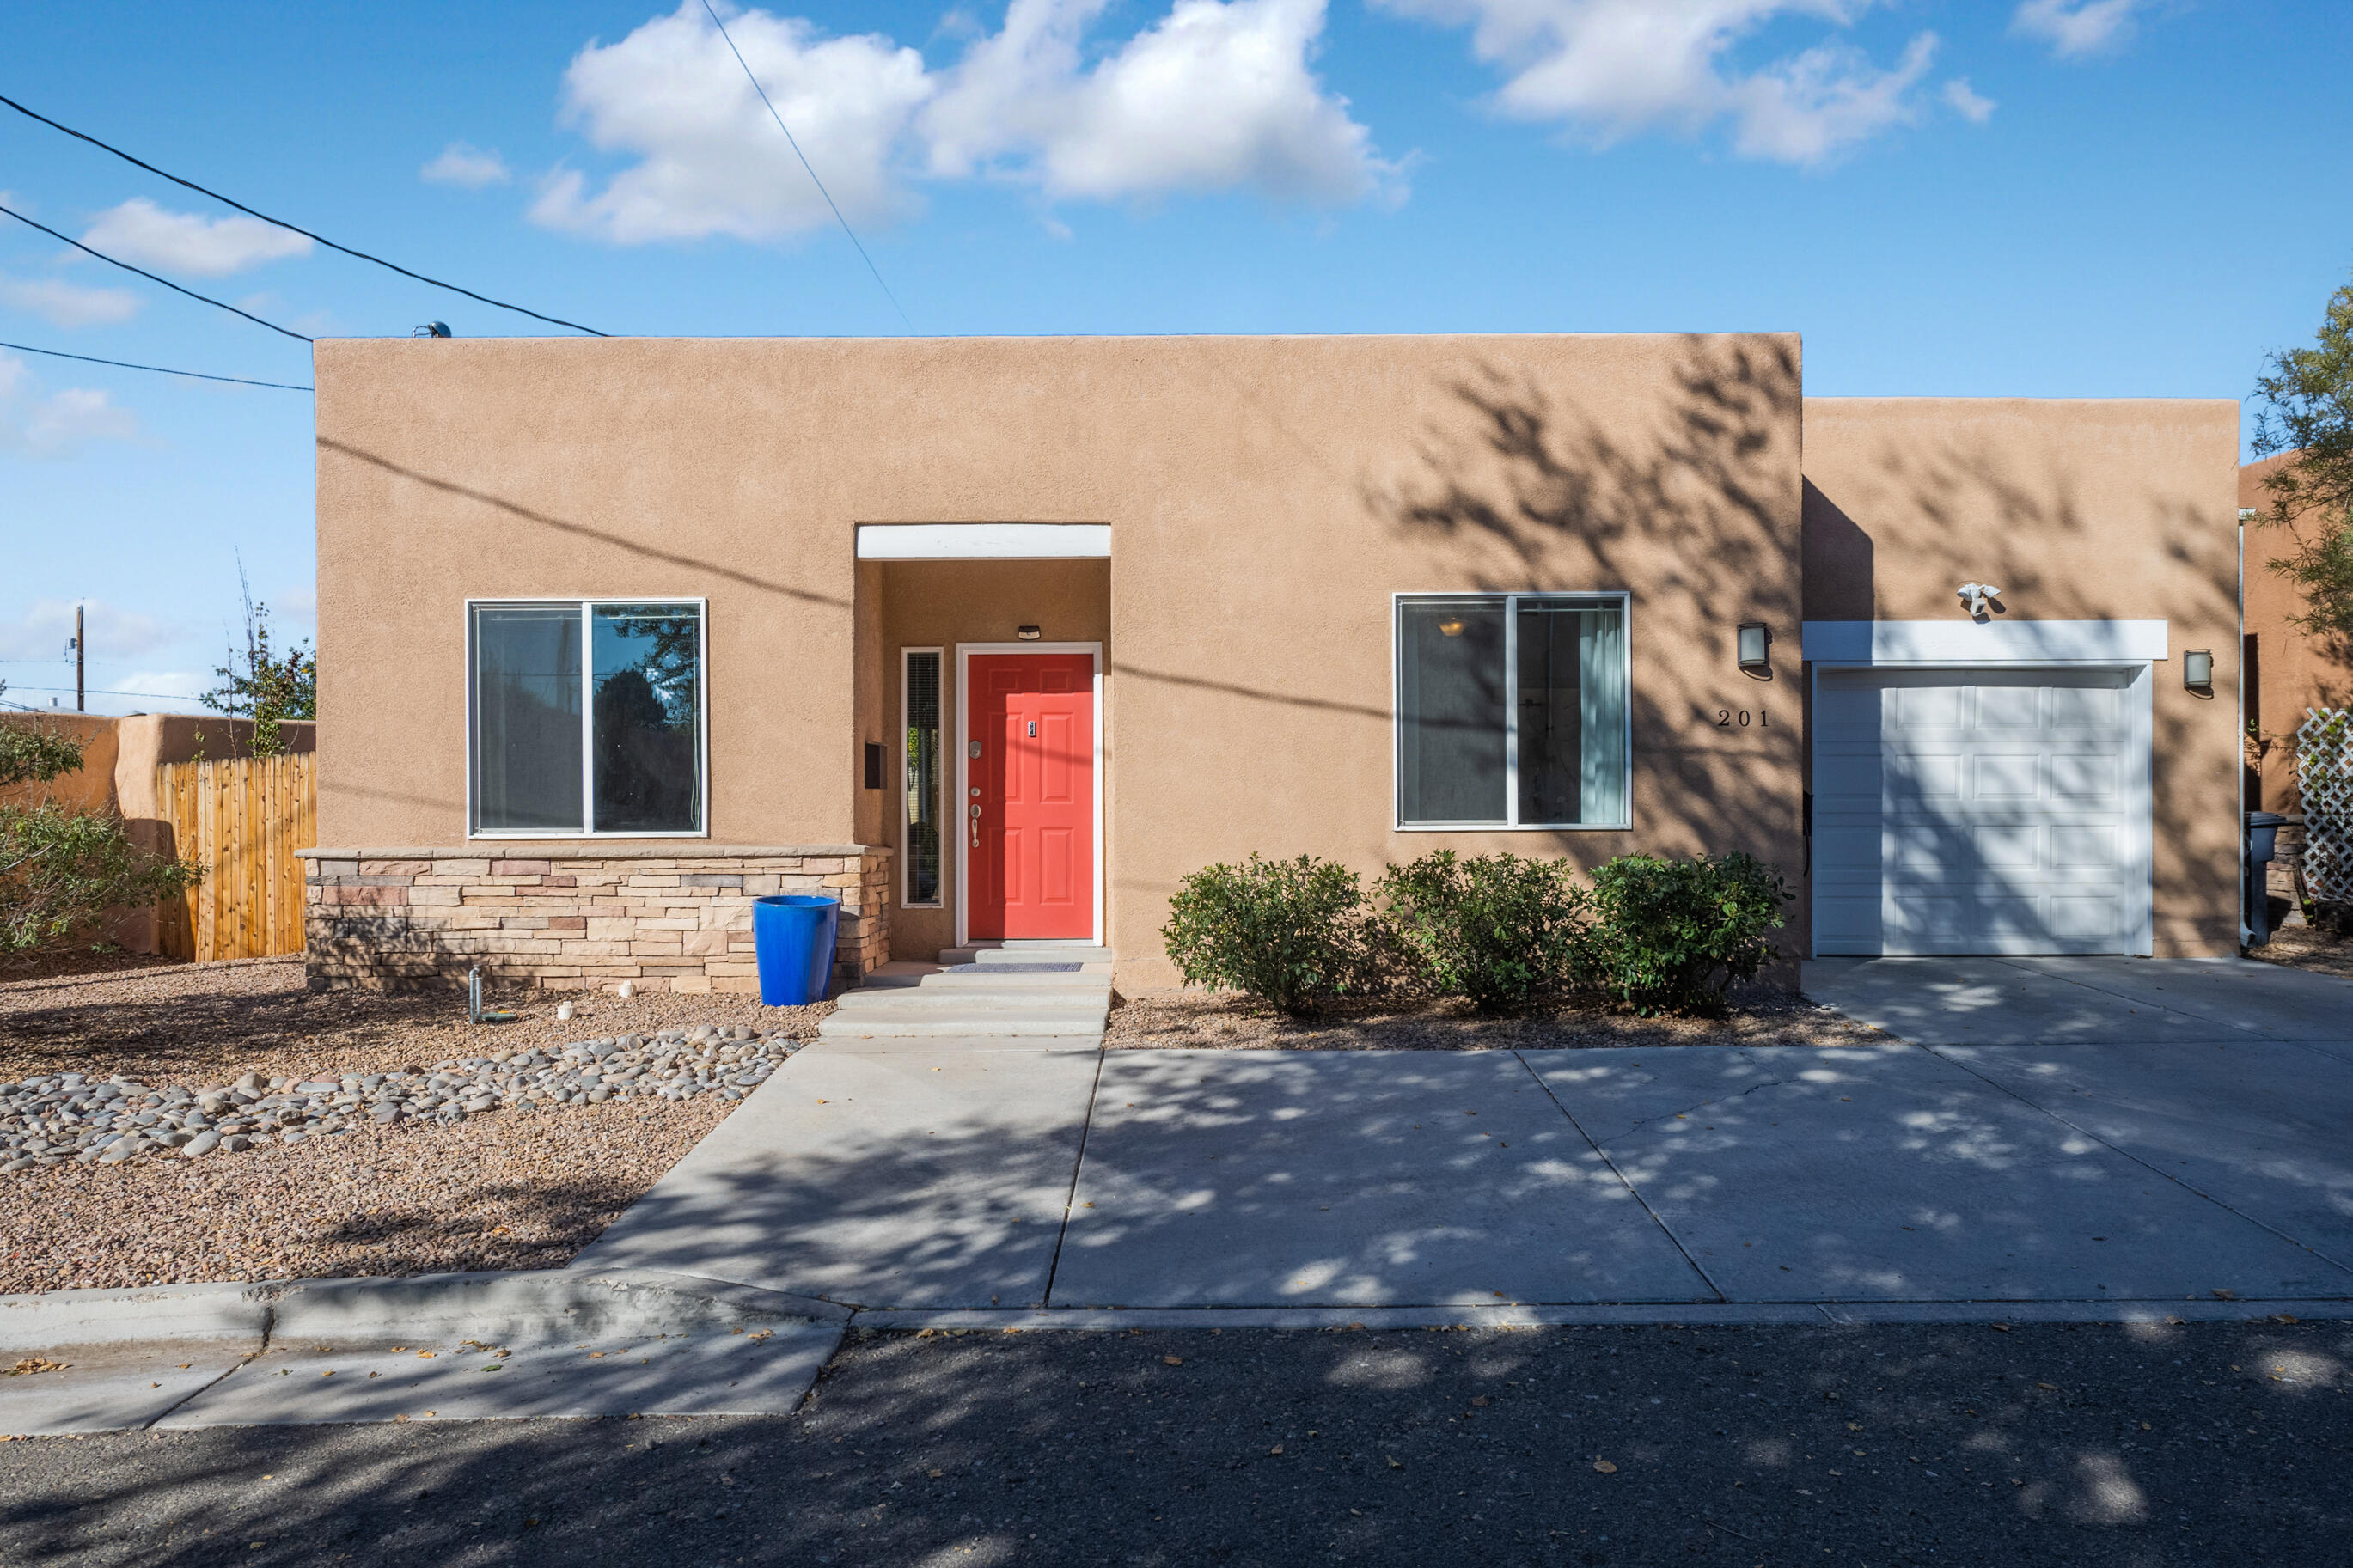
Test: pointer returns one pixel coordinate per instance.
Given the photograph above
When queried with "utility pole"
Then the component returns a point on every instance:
(80, 707)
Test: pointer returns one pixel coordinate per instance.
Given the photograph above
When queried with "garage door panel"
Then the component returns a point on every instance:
(2009, 812)
(2008, 707)
(1929, 706)
(1999, 777)
(2084, 777)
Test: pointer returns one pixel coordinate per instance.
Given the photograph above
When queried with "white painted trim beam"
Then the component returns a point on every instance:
(1991, 642)
(983, 541)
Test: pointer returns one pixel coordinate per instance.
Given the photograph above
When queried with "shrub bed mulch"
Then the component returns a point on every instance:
(1227, 1020)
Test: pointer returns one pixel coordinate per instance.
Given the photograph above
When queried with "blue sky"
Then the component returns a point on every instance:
(2047, 198)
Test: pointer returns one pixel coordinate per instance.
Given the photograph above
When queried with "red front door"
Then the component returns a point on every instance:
(1030, 804)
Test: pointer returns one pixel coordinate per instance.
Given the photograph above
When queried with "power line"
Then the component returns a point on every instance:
(295, 228)
(805, 164)
(166, 283)
(162, 370)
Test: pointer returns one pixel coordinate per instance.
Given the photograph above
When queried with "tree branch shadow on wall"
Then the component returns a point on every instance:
(581, 531)
(1691, 510)
(2010, 528)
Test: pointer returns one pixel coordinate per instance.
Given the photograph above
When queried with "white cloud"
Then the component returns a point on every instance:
(462, 165)
(1970, 104)
(180, 686)
(2075, 27)
(43, 629)
(1218, 94)
(1615, 68)
(711, 160)
(139, 231)
(63, 304)
(55, 426)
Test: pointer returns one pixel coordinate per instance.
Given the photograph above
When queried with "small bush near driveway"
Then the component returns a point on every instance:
(1498, 931)
(1673, 935)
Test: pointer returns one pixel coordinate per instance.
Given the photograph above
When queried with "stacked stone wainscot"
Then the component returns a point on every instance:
(578, 916)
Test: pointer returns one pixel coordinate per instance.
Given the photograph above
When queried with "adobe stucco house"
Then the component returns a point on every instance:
(1001, 637)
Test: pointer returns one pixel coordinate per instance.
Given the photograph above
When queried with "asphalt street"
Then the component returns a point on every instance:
(2142, 1445)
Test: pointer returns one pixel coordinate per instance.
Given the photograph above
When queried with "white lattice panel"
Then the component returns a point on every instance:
(2324, 775)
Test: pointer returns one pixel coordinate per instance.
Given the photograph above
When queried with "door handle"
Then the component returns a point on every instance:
(976, 825)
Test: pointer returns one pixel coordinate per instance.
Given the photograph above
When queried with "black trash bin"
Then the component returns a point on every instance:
(2263, 833)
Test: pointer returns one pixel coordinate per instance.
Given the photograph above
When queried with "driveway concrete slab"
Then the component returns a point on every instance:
(2266, 999)
(1893, 1174)
(1305, 1178)
(763, 1373)
(910, 1177)
(2125, 1001)
(109, 1388)
(2258, 1125)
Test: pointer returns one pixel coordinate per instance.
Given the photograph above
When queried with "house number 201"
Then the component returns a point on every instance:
(1726, 718)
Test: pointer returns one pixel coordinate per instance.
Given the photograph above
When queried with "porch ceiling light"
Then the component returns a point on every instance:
(2198, 670)
(1027, 634)
(1756, 645)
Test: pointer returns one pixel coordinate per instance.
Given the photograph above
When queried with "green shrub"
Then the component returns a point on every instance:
(36, 753)
(1673, 935)
(1503, 931)
(60, 871)
(1293, 933)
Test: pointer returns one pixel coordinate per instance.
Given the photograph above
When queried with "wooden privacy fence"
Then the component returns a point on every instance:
(241, 818)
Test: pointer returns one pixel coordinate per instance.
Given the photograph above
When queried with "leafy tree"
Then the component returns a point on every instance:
(60, 869)
(2308, 398)
(35, 754)
(264, 685)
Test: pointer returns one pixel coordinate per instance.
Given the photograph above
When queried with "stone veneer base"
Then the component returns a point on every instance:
(579, 916)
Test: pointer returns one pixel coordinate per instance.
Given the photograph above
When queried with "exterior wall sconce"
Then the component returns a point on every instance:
(1027, 634)
(2198, 670)
(1755, 646)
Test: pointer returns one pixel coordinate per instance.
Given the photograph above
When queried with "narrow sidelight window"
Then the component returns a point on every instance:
(628, 759)
(1512, 711)
(919, 693)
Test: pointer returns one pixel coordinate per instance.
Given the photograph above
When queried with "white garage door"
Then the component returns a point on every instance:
(1981, 811)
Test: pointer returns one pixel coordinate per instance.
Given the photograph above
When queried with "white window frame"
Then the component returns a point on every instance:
(1511, 822)
(588, 608)
(963, 652)
(939, 808)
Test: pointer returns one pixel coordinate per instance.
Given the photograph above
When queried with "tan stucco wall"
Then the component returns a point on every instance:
(89, 788)
(2078, 509)
(2294, 670)
(1266, 497)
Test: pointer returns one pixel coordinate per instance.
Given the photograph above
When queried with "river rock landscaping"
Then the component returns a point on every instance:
(349, 1141)
(49, 1119)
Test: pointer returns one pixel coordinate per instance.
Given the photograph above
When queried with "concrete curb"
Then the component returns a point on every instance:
(551, 1306)
(1736, 1314)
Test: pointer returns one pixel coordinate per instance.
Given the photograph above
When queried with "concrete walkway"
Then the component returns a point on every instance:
(2079, 1133)
(2058, 1138)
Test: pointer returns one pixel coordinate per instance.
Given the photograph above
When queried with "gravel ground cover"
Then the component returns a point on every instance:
(1194, 1020)
(223, 1122)
(2315, 948)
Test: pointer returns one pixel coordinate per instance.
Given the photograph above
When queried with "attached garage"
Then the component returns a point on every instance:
(2002, 807)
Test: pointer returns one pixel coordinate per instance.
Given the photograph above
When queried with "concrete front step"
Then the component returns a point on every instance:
(978, 999)
(951, 1025)
(902, 976)
(994, 953)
